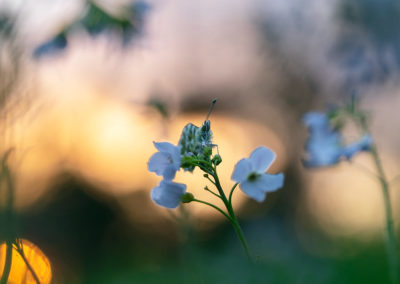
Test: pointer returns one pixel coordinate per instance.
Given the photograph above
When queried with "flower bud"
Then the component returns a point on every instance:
(187, 197)
(216, 160)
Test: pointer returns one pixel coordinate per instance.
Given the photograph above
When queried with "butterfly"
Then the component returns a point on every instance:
(194, 139)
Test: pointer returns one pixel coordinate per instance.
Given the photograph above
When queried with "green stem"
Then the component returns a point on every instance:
(390, 236)
(7, 263)
(240, 234)
(20, 250)
(6, 175)
(220, 190)
(215, 207)
(232, 215)
(231, 193)
(391, 240)
(207, 177)
(212, 192)
(205, 169)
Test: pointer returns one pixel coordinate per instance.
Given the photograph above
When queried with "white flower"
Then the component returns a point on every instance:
(363, 144)
(324, 145)
(167, 161)
(168, 194)
(251, 176)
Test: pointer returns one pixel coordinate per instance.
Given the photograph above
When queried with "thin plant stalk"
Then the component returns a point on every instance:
(211, 170)
(11, 237)
(232, 215)
(20, 250)
(5, 176)
(390, 234)
(238, 229)
(7, 263)
(233, 220)
(240, 234)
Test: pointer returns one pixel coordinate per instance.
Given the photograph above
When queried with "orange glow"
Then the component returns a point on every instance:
(111, 147)
(236, 139)
(108, 143)
(20, 274)
(347, 201)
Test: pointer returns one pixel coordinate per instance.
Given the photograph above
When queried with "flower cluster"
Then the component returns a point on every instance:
(166, 163)
(195, 150)
(325, 145)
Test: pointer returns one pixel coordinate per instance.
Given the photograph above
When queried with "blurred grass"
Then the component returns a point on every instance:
(90, 243)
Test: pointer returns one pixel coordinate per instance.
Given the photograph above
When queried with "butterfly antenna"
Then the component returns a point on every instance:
(211, 107)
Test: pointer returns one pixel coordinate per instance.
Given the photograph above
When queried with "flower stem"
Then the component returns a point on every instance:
(6, 176)
(20, 250)
(213, 206)
(232, 215)
(231, 193)
(240, 234)
(390, 236)
(390, 240)
(7, 264)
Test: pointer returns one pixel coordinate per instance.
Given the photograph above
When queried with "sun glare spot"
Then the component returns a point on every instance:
(20, 273)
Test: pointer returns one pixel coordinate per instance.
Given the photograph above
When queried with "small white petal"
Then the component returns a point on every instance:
(176, 157)
(168, 194)
(268, 182)
(252, 190)
(364, 144)
(165, 162)
(158, 162)
(324, 149)
(316, 120)
(169, 172)
(258, 188)
(241, 171)
(261, 158)
(165, 147)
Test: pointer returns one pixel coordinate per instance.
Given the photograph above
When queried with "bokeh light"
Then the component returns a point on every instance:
(86, 87)
(20, 273)
(346, 201)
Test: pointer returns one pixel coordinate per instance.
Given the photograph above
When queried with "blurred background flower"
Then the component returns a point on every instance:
(103, 79)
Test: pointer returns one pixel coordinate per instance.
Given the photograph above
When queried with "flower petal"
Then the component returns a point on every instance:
(324, 147)
(316, 120)
(176, 157)
(252, 191)
(364, 144)
(158, 162)
(169, 172)
(165, 147)
(269, 182)
(321, 153)
(242, 170)
(168, 194)
(265, 183)
(261, 158)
